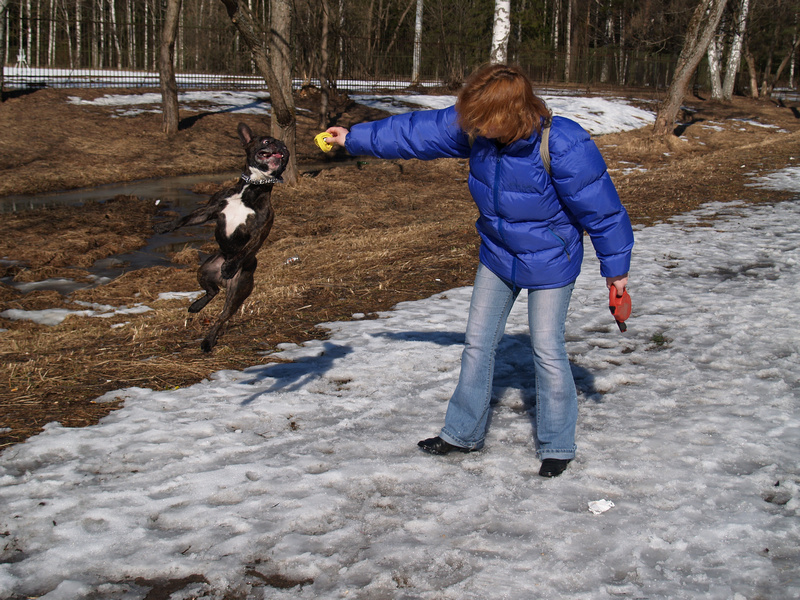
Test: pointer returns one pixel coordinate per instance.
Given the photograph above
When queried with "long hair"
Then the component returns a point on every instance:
(497, 101)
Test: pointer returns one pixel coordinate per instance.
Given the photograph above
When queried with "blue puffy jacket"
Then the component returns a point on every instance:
(531, 224)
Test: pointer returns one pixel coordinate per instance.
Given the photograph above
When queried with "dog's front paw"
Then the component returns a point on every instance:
(229, 269)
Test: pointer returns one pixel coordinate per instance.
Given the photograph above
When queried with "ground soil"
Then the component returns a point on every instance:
(354, 237)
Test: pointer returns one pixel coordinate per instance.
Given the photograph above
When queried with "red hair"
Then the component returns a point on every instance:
(497, 101)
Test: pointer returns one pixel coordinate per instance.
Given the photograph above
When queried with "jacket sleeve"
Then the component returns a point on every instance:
(425, 134)
(585, 188)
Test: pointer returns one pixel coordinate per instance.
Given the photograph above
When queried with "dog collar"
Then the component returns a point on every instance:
(251, 181)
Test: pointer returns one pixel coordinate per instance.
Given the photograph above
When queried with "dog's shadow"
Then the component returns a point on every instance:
(291, 376)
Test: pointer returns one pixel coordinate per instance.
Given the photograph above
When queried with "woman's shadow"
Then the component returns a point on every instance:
(513, 366)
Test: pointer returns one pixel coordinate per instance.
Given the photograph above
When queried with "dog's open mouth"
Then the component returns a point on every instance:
(273, 160)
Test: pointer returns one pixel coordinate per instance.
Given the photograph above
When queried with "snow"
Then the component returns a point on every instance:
(243, 102)
(597, 115)
(54, 316)
(308, 469)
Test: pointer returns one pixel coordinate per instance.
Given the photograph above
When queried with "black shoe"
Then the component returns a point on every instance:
(437, 445)
(553, 467)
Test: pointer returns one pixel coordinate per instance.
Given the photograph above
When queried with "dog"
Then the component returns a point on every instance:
(244, 217)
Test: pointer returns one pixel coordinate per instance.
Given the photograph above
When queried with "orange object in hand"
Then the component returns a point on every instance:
(620, 307)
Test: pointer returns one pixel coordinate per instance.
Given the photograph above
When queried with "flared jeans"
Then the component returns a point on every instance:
(556, 408)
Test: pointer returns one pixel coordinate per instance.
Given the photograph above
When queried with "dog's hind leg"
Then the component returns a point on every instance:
(208, 276)
(239, 287)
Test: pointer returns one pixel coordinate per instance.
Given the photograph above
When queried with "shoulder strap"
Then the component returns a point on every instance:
(544, 146)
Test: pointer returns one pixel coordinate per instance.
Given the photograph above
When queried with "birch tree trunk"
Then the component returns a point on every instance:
(166, 68)
(198, 43)
(78, 34)
(276, 74)
(179, 44)
(146, 36)
(112, 13)
(622, 57)
(556, 23)
(608, 40)
(30, 32)
(3, 49)
(50, 57)
(129, 15)
(715, 65)
(97, 34)
(735, 55)
(417, 45)
(340, 70)
(68, 32)
(500, 29)
(701, 29)
(568, 39)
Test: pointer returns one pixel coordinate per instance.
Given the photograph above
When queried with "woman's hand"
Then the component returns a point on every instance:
(337, 137)
(619, 282)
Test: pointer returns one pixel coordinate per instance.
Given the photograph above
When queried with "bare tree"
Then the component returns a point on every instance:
(29, 40)
(279, 53)
(51, 34)
(112, 13)
(500, 29)
(568, 39)
(770, 78)
(78, 32)
(3, 17)
(166, 68)
(415, 68)
(556, 23)
(735, 53)
(714, 52)
(324, 87)
(752, 71)
(698, 35)
(284, 123)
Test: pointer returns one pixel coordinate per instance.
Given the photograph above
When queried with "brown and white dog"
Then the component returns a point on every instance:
(244, 218)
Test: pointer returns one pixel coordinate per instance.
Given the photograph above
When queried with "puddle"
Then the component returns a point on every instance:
(172, 192)
(176, 191)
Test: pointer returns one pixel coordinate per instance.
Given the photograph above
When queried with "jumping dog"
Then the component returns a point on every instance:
(244, 218)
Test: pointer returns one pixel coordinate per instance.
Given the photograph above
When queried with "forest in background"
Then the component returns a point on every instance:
(592, 42)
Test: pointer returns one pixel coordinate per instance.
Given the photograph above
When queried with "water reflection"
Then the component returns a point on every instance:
(173, 192)
(176, 191)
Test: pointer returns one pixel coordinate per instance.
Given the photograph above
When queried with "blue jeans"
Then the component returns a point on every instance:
(556, 397)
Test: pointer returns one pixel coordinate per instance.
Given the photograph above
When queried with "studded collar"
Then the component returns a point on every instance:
(250, 180)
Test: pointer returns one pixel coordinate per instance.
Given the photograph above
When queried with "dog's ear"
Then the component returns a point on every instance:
(244, 133)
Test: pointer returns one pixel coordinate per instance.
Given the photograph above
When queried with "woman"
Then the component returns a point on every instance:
(531, 227)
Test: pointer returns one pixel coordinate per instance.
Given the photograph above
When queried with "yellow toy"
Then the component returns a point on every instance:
(319, 140)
